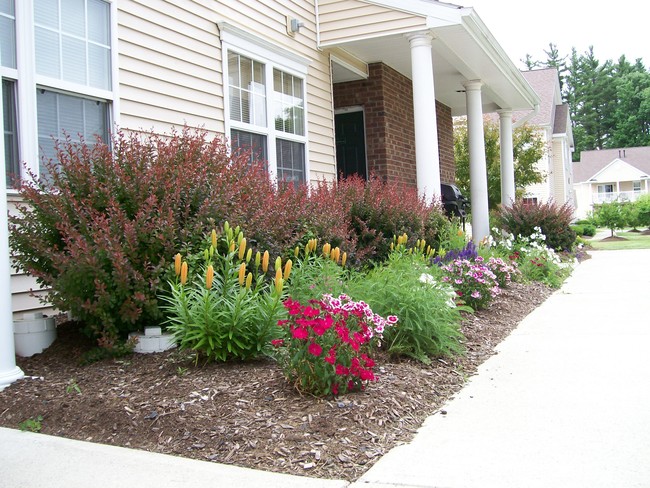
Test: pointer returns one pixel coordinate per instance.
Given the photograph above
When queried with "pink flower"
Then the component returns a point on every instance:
(277, 342)
(392, 319)
(314, 349)
(342, 370)
(299, 333)
(335, 389)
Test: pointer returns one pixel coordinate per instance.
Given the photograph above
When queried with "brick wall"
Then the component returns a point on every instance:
(387, 99)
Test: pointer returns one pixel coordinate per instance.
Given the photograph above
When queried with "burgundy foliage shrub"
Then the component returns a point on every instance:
(555, 221)
(101, 231)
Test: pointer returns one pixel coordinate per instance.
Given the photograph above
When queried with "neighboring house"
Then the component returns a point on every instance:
(320, 87)
(609, 175)
(554, 125)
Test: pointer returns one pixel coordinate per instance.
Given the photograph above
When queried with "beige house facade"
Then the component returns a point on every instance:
(291, 78)
(553, 124)
(610, 175)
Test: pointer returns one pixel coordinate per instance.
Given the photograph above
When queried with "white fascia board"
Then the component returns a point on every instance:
(447, 14)
(484, 38)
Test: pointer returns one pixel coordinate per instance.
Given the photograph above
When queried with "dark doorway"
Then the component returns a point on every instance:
(350, 144)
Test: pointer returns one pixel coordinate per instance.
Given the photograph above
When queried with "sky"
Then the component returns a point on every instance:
(523, 27)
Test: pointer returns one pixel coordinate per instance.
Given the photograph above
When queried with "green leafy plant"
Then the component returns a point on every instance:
(31, 424)
(610, 215)
(223, 312)
(328, 344)
(429, 319)
(73, 386)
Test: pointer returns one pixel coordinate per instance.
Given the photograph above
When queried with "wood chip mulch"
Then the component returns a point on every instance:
(247, 414)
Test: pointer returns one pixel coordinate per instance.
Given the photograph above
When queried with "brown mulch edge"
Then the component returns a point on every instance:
(246, 414)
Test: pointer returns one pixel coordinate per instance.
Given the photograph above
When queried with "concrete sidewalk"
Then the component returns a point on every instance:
(565, 403)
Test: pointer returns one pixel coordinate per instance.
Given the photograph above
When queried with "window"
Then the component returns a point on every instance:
(636, 186)
(63, 76)
(72, 39)
(529, 200)
(7, 34)
(76, 116)
(10, 132)
(266, 105)
(605, 188)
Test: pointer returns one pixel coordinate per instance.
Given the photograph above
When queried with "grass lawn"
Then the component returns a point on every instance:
(634, 240)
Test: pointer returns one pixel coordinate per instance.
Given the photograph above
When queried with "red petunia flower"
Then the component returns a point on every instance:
(314, 349)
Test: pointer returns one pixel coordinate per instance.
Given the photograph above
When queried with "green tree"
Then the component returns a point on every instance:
(528, 149)
(610, 215)
(643, 206)
(632, 115)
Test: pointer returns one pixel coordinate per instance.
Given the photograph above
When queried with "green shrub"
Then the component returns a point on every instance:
(428, 318)
(578, 229)
(589, 230)
(223, 311)
(610, 215)
(643, 205)
(553, 220)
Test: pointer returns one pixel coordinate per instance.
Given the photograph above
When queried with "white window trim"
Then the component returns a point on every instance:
(27, 82)
(272, 56)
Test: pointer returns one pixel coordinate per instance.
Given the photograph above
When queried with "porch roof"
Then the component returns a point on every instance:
(463, 49)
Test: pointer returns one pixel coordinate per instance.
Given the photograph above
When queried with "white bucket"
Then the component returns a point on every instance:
(33, 334)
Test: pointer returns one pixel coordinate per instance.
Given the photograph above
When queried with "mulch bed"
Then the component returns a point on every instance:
(246, 414)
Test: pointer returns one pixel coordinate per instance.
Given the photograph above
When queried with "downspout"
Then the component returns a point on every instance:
(527, 117)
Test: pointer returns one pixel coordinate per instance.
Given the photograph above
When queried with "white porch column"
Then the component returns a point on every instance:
(427, 160)
(477, 164)
(9, 372)
(507, 158)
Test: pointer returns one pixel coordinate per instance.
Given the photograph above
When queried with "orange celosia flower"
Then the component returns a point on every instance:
(209, 276)
(249, 281)
(242, 274)
(177, 264)
(213, 238)
(232, 246)
(278, 280)
(242, 248)
(287, 269)
(265, 262)
(184, 273)
(327, 247)
(344, 259)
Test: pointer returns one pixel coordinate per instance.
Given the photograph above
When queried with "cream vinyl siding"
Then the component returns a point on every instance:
(170, 65)
(559, 185)
(343, 20)
(23, 299)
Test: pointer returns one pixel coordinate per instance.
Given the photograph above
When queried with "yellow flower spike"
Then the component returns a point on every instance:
(327, 248)
(184, 273)
(296, 252)
(206, 254)
(242, 248)
(209, 276)
(242, 274)
(177, 264)
(249, 281)
(278, 263)
(344, 259)
(240, 236)
(249, 255)
(417, 244)
(336, 254)
(231, 248)
(279, 283)
(213, 238)
(265, 262)
(287, 269)
(392, 246)
(226, 226)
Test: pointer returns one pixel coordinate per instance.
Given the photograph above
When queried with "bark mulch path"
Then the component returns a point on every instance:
(246, 414)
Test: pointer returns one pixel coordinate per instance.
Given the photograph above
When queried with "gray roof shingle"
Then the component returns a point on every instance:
(591, 162)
